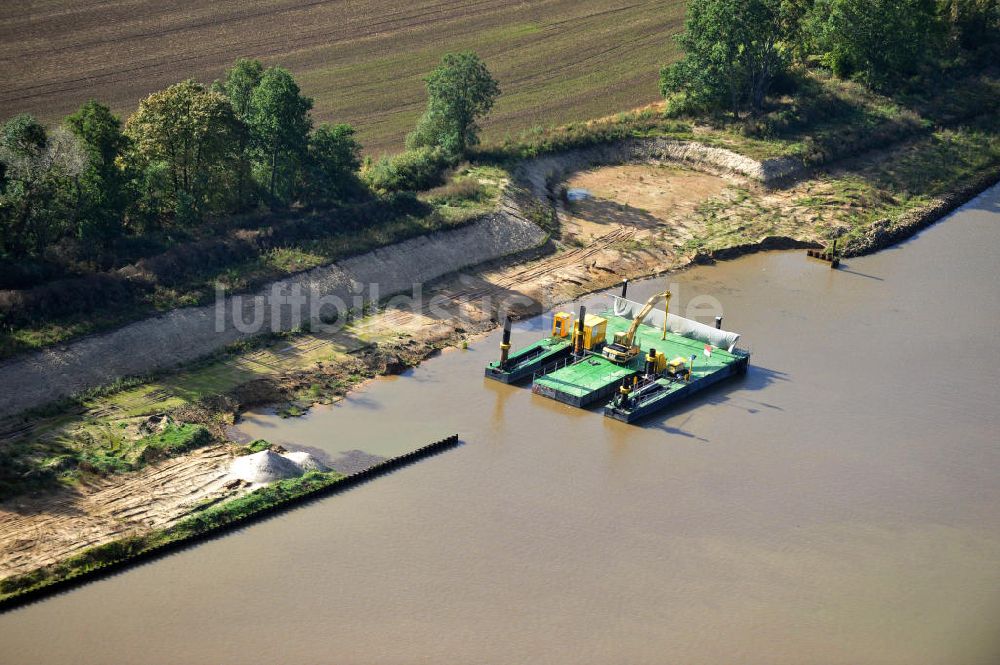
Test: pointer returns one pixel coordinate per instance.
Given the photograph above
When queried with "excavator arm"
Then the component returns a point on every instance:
(622, 349)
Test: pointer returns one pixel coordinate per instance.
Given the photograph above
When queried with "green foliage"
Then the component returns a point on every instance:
(174, 440)
(974, 25)
(876, 41)
(413, 170)
(100, 448)
(732, 53)
(279, 124)
(257, 446)
(548, 140)
(333, 160)
(102, 463)
(39, 192)
(460, 192)
(260, 499)
(103, 191)
(192, 131)
(241, 80)
(23, 136)
(460, 91)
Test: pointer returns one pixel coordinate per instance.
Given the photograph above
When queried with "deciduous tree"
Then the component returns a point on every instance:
(280, 122)
(461, 90)
(334, 158)
(733, 50)
(241, 80)
(192, 130)
(40, 176)
(875, 41)
(102, 194)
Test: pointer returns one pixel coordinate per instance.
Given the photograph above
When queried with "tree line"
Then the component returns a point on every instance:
(735, 51)
(193, 151)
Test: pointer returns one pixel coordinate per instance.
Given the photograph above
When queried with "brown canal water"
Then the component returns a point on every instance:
(841, 504)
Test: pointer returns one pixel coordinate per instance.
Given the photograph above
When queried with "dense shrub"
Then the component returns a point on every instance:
(177, 264)
(413, 170)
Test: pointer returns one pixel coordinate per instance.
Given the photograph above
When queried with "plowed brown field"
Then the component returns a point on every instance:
(362, 61)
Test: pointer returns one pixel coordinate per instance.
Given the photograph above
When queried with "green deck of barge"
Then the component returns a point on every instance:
(540, 350)
(523, 363)
(595, 377)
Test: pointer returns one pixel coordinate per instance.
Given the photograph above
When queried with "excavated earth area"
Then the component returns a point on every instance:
(655, 201)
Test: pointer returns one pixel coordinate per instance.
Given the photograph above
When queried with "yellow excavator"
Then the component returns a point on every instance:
(623, 348)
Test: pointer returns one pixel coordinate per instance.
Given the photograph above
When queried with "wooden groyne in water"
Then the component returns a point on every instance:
(43, 588)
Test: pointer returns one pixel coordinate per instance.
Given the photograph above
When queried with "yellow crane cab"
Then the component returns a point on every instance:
(595, 328)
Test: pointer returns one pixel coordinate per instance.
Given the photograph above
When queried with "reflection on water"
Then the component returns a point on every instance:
(838, 505)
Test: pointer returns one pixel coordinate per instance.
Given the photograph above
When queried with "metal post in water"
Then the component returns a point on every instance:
(505, 344)
(624, 287)
(718, 323)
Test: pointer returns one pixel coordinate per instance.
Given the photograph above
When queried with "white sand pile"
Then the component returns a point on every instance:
(305, 461)
(268, 466)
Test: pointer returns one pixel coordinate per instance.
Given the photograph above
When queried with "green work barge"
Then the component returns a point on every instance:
(666, 359)
(523, 363)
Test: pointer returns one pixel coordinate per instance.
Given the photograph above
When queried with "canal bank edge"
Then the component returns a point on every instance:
(93, 565)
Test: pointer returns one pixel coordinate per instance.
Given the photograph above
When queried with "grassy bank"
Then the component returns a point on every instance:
(200, 523)
(826, 119)
(846, 200)
(107, 430)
